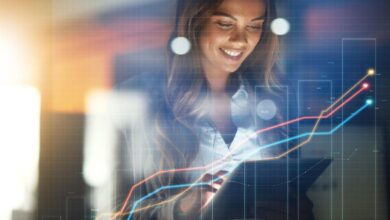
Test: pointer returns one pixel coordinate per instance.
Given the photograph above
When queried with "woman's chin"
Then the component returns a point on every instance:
(232, 69)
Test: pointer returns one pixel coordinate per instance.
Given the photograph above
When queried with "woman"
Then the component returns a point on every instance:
(208, 103)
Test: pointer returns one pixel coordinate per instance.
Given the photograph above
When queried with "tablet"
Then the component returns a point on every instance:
(263, 181)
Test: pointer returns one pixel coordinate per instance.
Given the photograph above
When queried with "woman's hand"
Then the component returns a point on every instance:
(199, 197)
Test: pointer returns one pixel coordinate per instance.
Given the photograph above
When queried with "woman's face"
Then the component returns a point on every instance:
(231, 34)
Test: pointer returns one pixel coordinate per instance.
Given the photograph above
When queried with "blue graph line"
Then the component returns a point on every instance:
(257, 150)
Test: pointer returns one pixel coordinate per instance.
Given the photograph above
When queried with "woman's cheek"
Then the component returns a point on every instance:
(254, 41)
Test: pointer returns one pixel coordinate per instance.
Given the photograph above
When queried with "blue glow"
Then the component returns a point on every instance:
(260, 148)
(369, 101)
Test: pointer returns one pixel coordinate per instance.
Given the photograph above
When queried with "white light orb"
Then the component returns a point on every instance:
(280, 26)
(266, 109)
(369, 101)
(180, 45)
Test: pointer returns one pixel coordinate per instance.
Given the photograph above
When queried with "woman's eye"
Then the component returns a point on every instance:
(224, 25)
(255, 28)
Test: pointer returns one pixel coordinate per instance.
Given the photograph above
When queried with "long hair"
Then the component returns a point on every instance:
(186, 85)
(185, 90)
(185, 80)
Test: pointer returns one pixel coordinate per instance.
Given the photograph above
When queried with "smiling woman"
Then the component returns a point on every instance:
(203, 108)
(230, 35)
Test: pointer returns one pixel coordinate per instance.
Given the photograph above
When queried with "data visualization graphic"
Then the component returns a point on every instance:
(130, 207)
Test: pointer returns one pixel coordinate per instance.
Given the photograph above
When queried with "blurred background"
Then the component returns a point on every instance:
(59, 59)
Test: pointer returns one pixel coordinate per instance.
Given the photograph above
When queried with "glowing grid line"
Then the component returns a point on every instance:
(331, 147)
(271, 158)
(136, 203)
(259, 131)
(375, 117)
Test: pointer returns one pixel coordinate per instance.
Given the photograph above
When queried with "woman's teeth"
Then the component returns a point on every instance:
(232, 53)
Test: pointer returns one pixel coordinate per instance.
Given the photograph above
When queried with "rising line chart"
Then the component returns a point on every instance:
(310, 134)
(365, 86)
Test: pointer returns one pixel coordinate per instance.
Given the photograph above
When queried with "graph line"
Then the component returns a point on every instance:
(369, 102)
(310, 134)
(365, 86)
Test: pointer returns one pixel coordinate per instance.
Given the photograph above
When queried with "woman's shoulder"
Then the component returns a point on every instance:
(148, 84)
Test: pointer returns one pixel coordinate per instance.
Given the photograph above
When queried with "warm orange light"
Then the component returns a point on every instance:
(18, 58)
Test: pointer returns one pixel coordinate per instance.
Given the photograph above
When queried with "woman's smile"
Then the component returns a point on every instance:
(230, 35)
(232, 54)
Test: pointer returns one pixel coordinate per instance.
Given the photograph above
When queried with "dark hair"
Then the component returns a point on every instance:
(186, 86)
(184, 79)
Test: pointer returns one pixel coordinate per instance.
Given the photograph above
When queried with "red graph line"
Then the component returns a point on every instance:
(313, 117)
(364, 87)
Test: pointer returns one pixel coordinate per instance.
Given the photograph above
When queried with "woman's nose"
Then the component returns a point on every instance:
(239, 38)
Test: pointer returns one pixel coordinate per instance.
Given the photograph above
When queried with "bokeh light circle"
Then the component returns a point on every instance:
(280, 26)
(266, 109)
(180, 45)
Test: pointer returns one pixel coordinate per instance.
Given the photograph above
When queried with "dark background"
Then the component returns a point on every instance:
(312, 51)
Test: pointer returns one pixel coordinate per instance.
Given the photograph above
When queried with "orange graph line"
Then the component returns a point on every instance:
(321, 116)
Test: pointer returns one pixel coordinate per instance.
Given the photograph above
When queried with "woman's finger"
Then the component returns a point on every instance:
(207, 177)
(220, 176)
(221, 173)
(208, 188)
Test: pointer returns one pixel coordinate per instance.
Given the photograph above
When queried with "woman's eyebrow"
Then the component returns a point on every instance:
(260, 18)
(220, 13)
